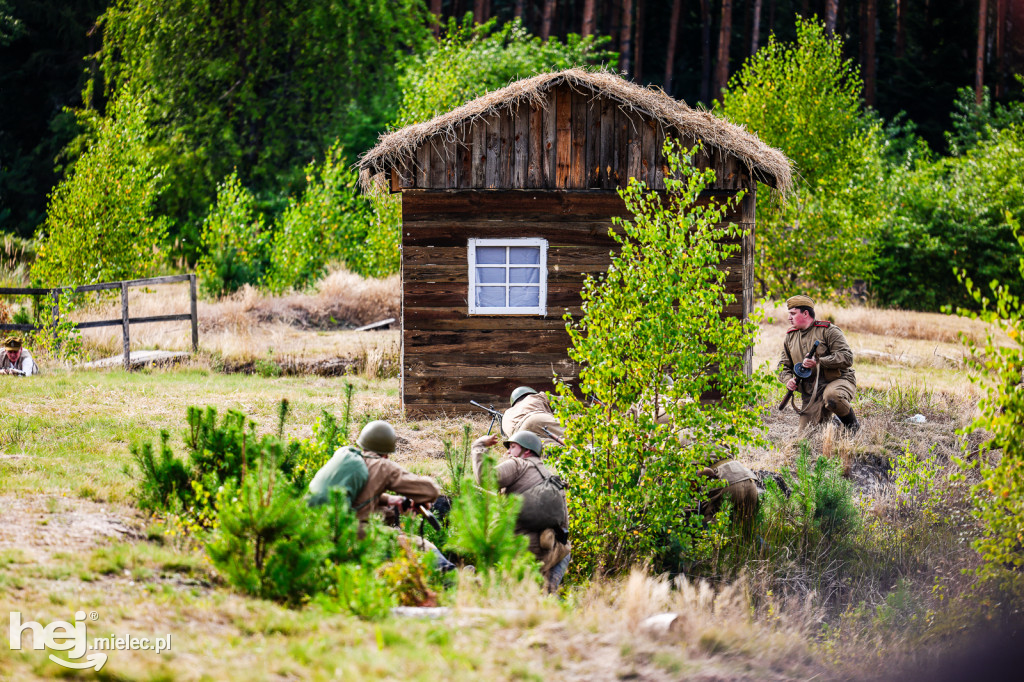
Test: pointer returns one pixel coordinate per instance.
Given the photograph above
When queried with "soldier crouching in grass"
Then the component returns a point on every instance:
(831, 385)
(16, 359)
(519, 473)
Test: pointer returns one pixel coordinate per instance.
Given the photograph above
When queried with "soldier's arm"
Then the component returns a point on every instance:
(785, 366)
(419, 489)
(507, 471)
(840, 356)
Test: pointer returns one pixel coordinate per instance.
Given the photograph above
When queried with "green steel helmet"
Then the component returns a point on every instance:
(527, 440)
(519, 393)
(377, 436)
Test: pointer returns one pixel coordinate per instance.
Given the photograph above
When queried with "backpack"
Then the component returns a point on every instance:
(543, 504)
(345, 471)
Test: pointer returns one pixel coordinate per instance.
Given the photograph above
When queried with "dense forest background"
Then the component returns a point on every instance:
(237, 123)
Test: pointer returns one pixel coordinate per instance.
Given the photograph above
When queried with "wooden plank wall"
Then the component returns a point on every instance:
(450, 357)
(576, 140)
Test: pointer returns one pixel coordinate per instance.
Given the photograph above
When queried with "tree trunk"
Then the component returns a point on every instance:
(626, 39)
(755, 29)
(546, 19)
(869, 52)
(831, 10)
(638, 43)
(901, 28)
(588, 18)
(480, 11)
(1000, 60)
(724, 38)
(705, 51)
(520, 7)
(979, 61)
(435, 9)
(670, 51)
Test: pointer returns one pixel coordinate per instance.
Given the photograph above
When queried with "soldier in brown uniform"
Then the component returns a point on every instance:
(740, 487)
(832, 384)
(530, 411)
(518, 473)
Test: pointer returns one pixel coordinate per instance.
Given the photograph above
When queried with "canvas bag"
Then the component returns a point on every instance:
(543, 504)
(345, 471)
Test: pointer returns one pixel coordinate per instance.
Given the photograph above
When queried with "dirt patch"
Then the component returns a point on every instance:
(42, 525)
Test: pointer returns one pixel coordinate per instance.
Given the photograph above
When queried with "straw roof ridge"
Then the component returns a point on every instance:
(712, 130)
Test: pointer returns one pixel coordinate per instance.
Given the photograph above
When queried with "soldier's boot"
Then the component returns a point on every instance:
(850, 422)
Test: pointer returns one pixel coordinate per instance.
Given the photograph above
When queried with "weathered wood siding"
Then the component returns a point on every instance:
(576, 140)
(450, 357)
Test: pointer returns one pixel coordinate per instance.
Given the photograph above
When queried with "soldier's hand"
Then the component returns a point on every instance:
(491, 440)
(791, 384)
(810, 363)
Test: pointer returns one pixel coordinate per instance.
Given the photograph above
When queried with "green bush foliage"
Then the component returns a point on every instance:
(804, 99)
(654, 314)
(483, 523)
(470, 59)
(234, 241)
(954, 214)
(165, 479)
(999, 496)
(268, 543)
(100, 221)
(329, 222)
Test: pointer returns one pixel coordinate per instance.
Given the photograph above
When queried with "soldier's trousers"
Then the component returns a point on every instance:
(835, 399)
(538, 421)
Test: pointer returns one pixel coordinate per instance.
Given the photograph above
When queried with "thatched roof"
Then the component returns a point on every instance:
(713, 131)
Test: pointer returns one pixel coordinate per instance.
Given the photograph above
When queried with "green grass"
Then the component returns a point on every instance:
(71, 432)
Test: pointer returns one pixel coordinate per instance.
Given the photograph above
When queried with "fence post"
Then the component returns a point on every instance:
(195, 315)
(55, 294)
(124, 326)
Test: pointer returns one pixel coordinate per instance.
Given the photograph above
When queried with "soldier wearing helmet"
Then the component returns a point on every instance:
(519, 472)
(530, 411)
(388, 484)
(16, 360)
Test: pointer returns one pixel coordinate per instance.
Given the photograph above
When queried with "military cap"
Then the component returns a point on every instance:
(12, 343)
(377, 436)
(799, 302)
(519, 393)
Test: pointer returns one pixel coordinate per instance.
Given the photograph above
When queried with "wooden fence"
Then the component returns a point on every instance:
(125, 321)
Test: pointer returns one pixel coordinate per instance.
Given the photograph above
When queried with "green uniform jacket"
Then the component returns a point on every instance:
(834, 355)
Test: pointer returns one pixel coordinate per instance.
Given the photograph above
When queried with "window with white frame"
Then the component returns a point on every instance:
(508, 276)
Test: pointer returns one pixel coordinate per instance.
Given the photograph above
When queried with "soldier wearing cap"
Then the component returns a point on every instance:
(518, 473)
(832, 384)
(530, 411)
(16, 359)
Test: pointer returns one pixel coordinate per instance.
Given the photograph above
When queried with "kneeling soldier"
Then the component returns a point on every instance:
(519, 473)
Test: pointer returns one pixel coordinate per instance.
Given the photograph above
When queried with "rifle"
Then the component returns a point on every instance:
(553, 436)
(15, 370)
(801, 373)
(494, 415)
(427, 515)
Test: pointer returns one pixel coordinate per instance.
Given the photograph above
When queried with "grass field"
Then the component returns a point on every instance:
(71, 539)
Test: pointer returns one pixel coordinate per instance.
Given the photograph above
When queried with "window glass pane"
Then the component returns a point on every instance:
(524, 255)
(523, 297)
(491, 275)
(524, 275)
(490, 297)
(490, 255)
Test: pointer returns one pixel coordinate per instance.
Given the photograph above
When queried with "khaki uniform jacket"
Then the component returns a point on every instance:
(524, 407)
(386, 476)
(835, 358)
(24, 363)
(516, 475)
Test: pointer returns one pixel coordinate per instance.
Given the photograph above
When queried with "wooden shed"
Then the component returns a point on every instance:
(507, 203)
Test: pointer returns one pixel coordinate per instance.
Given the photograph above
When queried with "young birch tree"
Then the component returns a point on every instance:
(652, 339)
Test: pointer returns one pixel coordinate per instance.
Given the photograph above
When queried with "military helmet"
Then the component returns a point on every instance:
(527, 440)
(377, 436)
(519, 393)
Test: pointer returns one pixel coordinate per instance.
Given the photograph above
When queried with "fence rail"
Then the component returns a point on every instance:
(125, 320)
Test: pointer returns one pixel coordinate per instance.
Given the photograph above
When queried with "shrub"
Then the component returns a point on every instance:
(268, 543)
(654, 314)
(165, 479)
(234, 240)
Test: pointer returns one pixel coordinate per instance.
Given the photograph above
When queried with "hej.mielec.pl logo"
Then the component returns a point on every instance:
(72, 637)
